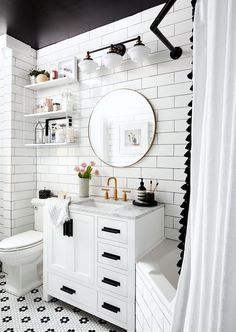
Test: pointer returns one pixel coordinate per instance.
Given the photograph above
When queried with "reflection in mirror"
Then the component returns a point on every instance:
(122, 128)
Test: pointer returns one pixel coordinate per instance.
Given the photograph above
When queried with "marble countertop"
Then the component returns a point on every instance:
(111, 208)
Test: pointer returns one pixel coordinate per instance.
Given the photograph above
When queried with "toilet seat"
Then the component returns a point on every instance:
(21, 241)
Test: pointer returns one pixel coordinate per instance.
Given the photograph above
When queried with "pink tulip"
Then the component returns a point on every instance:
(84, 164)
(77, 168)
(82, 170)
(96, 172)
(92, 163)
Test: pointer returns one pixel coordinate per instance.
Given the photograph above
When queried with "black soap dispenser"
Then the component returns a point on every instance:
(141, 195)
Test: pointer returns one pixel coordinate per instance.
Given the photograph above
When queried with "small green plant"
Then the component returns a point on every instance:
(33, 72)
(36, 72)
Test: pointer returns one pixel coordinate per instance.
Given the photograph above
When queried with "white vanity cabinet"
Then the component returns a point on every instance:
(94, 269)
(73, 255)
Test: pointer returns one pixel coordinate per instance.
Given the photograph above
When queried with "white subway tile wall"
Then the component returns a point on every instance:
(160, 79)
(151, 314)
(18, 164)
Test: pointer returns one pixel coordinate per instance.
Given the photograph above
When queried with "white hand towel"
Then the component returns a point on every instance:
(57, 210)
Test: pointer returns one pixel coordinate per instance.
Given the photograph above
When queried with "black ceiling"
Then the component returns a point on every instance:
(43, 22)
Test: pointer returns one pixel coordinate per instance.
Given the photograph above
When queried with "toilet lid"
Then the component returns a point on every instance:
(21, 240)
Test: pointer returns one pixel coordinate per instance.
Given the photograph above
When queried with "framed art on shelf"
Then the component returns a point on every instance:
(68, 68)
(53, 125)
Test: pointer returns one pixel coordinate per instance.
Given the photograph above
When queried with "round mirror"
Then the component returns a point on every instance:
(122, 128)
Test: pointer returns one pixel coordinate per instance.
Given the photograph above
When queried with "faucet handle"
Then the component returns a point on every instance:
(106, 192)
(125, 194)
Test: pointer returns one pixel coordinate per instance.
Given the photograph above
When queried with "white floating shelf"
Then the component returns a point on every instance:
(50, 83)
(48, 115)
(48, 144)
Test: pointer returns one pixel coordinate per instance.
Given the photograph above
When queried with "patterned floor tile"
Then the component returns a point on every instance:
(30, 313)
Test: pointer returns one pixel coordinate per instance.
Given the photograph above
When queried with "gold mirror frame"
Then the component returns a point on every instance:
(154, 131)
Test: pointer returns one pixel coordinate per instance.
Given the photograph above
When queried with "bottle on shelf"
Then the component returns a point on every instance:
(141, 193)
(39, 133)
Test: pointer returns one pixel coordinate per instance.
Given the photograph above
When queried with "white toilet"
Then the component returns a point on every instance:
(22, 255)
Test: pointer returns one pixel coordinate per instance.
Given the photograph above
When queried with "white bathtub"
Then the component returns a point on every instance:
(156, 284)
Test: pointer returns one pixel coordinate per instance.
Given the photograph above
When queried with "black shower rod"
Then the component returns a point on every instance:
(175, 52)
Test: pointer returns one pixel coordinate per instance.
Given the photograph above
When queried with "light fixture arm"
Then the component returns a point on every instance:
(175, 52)
(120, 47)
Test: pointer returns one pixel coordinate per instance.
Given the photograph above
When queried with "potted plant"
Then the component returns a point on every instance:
(85, 172)
(42, 76)
(33, 74)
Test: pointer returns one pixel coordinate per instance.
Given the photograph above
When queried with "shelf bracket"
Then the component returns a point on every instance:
(175, 52)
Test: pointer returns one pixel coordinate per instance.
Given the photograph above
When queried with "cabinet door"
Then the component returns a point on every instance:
(83, 255)
(58, 249)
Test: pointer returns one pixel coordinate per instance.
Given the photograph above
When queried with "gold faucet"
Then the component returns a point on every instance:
(115, 189)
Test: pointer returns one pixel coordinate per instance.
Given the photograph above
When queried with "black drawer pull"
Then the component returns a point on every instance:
(111, 230)
(110, 282)
(111, 256)
(110, 307)
(65, 228)
(68, 290)
(68, 228)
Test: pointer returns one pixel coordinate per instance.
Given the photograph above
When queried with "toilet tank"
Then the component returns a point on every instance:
(38, 205)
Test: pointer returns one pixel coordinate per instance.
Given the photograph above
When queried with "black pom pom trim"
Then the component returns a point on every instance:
(187, 162)
(184, 205)
(188, 146)
(188, 138)
(186, 196)
(190, 75)
(183, 221)
(182, 237)
(187, 170)
(181, 246)
(184, 213)
(180, 262)
(187, 154)
(189, 121)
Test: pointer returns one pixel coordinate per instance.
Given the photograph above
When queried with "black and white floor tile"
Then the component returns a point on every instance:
(30, 313)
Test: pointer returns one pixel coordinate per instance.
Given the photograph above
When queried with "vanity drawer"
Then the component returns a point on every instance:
(113, 281)
(70, 290)
(112, 307)
(112, 230)
(112, 255)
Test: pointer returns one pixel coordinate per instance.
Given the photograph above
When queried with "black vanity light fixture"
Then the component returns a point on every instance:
(138, 53)
(175, 52)
(113, 57)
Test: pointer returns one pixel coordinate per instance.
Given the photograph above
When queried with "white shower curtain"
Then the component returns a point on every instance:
(206, 296)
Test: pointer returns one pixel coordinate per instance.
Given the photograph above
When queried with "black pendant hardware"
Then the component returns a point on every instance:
(67, 290)
(175, 52)
(111, 230)
(68, 228)
(110, 307)
(111, 256)
(110, 282)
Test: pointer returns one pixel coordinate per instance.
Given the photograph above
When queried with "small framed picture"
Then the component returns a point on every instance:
(134, 138)
(68, 68)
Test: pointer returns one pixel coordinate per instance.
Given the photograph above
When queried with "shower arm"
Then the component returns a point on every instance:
(175, 52)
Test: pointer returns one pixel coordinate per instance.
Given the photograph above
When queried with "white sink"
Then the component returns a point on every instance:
(91, 203)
